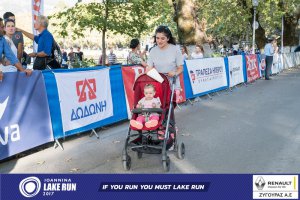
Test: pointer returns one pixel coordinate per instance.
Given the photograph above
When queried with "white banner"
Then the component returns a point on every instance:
(276, 66)
(288, 60)
(85, 97)
(236, 72)
(206, 74)
(297, 58)
(37, 9)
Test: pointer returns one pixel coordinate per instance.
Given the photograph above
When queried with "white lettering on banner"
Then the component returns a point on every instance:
(3, 106)
(13, 131)
(85, 97)
(236, 72)
(206, 74)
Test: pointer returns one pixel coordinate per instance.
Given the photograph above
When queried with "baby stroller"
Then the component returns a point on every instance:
(147, 140)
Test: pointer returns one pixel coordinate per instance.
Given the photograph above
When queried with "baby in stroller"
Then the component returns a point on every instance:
(155, 100)
(148, 101)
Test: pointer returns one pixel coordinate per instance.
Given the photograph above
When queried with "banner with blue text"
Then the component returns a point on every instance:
(206, 74)
(85, 97)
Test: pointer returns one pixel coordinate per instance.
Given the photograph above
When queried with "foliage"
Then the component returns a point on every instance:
(224, 18)
(234, 17)
(130, 18)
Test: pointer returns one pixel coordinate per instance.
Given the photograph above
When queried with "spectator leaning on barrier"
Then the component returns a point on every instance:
(269, 51)
(44, 41)
(5, 49)
(9, 27)
(112, 58)
(135, 57)
(17, 38)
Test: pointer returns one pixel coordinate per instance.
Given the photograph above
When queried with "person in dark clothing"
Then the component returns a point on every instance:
(79, 54)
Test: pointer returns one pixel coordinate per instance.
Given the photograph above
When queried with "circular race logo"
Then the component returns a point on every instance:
(17, 36)
(29, 187)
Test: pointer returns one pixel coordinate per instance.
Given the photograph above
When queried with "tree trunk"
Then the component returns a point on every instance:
(103, 48)
(104, 35)
(260, 33)
(290, 37)
(190, 31)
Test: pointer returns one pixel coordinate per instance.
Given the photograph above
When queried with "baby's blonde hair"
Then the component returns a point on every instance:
(149, 86)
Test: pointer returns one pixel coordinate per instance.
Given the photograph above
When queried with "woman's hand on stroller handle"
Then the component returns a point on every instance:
(147, 69)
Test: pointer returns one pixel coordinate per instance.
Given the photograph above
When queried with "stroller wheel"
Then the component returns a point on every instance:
(166, 164)
(180, 150)
(139, 154)
(127, 163)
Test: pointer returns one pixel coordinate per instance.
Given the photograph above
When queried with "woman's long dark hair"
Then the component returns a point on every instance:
(167, 32)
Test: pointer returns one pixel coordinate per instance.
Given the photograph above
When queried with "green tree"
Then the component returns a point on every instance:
(129, 17)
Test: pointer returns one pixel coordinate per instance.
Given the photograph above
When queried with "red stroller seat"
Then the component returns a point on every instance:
(162, 91)
(147, 140)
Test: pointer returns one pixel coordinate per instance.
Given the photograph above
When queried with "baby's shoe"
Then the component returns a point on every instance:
(151, 123)
(136, 124)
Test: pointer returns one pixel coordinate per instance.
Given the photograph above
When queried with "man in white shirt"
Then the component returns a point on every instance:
(269, 51)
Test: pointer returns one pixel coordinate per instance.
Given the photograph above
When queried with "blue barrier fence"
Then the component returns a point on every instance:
(24, 114)
(48, 82)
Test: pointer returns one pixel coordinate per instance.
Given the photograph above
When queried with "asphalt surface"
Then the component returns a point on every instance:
(253, 129)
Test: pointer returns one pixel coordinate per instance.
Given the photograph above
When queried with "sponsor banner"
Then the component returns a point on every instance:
(130, 74)
(85, 97)
(24, 113)
(252, 68)
(236, 72)
(261, 64)
(275, 186)
(206, 74)
(126, 186)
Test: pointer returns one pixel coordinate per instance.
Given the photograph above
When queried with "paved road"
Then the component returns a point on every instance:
(254, 129)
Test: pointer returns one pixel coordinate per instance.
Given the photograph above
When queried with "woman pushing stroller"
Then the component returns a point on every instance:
(166, 57)
(153, 119)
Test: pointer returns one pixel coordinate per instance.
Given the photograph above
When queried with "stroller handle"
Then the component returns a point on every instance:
(147, 110)
(174, 78)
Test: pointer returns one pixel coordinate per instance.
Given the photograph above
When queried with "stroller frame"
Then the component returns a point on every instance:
(144, 142)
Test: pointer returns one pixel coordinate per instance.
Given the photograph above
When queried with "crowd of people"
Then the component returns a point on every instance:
(68, 59)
